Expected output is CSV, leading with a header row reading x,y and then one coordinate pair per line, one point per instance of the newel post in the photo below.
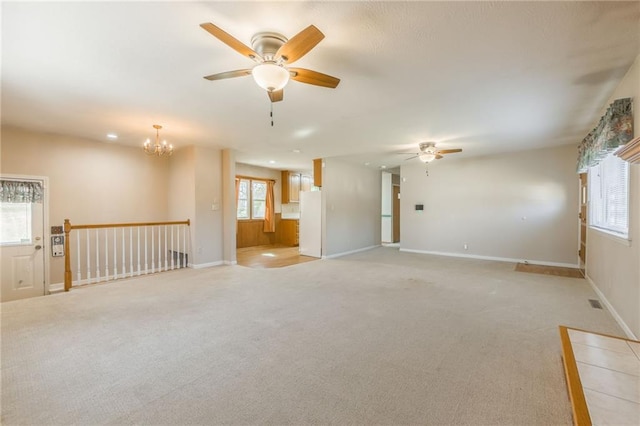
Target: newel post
x,y
67,256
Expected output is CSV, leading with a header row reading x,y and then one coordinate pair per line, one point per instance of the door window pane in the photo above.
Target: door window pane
x,y
15,223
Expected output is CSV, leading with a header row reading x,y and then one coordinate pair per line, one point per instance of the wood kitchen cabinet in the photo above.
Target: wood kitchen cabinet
x,y
317,172
290,187
290,232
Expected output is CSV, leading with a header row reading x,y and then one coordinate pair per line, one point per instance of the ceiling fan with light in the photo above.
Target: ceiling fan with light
x,y
274,53
429,152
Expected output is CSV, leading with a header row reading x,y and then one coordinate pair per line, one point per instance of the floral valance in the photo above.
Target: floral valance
x,y
14,191
614,129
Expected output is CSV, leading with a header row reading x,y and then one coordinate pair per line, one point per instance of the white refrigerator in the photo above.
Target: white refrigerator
x,y
310,237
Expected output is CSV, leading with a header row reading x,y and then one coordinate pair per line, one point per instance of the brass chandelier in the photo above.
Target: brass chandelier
x,y
158,149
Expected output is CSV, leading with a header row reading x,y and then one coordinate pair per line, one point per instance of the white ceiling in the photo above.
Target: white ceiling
x,y
483,76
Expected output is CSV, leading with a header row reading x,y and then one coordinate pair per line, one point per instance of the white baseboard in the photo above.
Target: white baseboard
x,y
498,259
345,253
611,310
230,262
56,288
206,265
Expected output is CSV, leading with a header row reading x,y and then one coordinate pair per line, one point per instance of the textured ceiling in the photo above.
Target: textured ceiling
x,y
483,76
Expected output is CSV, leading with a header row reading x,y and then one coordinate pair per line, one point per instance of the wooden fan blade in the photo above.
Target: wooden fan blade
x,y
448,151
228,74
231,41
276,96
438,156
299,45
313,77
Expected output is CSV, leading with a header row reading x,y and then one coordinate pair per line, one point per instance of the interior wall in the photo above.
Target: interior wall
x,y
89,182
520,205
181,190
612,265
208,231
351,200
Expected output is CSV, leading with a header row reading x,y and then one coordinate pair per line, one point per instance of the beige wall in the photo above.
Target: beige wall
x,y
520,206
208,231
89,182
195,189
613,265
351,202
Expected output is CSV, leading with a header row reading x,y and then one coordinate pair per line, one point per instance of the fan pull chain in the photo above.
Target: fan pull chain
x,y
271,114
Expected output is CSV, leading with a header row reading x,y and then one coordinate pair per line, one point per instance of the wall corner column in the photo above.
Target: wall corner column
x,y
229,206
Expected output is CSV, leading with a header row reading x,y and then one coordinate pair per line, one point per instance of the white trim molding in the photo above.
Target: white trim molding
x,y
345,253
498,259
611,310
206,265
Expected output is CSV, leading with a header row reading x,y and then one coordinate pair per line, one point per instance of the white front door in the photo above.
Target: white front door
x,y
22,250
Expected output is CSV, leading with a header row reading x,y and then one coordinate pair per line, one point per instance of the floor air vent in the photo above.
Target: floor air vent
x,y
595,304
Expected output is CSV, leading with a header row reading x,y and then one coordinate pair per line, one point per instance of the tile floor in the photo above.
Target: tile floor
x,y
609,370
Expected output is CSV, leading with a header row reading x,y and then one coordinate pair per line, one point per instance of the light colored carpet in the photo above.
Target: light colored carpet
x,y
379,337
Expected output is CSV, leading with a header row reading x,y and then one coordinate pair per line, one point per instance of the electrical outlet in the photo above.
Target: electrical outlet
x,y
466,246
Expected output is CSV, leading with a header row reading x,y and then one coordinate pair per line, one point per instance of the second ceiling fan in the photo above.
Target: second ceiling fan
x,y
429,152
273,53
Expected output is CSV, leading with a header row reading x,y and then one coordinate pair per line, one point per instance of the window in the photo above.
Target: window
x,y
15,223
609,196
252,199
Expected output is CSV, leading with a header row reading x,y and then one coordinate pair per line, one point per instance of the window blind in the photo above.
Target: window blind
x,y
609,196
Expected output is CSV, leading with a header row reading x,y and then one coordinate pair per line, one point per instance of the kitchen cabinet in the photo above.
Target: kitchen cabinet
x,y
290,187
317,172
290,232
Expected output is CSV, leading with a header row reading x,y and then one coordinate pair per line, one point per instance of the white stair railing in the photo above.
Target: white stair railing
x,y
123,254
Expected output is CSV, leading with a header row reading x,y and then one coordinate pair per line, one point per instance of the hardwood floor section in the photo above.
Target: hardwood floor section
x,y
272,256
550,270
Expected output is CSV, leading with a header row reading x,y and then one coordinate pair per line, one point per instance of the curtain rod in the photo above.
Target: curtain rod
x,y
254,178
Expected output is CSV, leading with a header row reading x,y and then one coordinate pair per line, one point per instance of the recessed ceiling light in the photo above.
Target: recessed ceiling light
x,y
272,161
112,136
367,163
383,167
297,151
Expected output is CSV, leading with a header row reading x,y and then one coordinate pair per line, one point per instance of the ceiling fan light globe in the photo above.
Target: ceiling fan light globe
x,y
270,77
426,157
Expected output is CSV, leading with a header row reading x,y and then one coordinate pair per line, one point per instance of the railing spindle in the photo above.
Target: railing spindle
x,y
124,262
153,249
138,258
146,262
184,244
166,266
178,248
79,277
106,254
97,256
115,254
173,253
130,252
88,257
